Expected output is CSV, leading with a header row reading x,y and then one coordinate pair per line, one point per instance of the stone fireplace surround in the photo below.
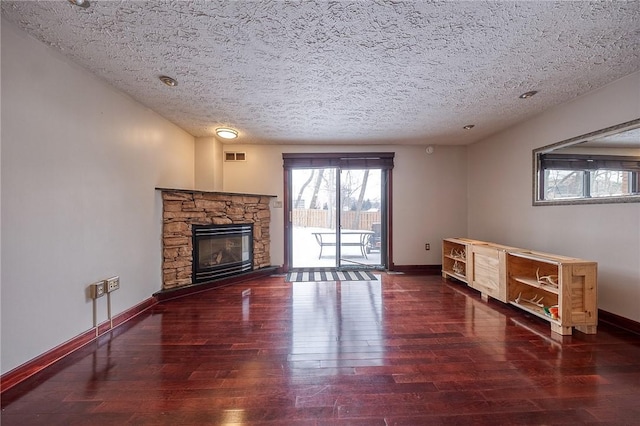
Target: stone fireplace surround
x,y
181,209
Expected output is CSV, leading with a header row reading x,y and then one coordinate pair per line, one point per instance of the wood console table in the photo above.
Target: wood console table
x,y
561,290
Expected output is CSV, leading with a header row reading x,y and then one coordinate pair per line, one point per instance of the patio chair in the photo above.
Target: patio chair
x,y
375,239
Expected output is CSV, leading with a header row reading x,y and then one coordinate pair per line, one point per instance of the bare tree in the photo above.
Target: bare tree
x,y
363,188
302,188
316,189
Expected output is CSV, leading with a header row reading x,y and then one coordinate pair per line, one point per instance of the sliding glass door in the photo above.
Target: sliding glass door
x,y
313,218
360,217
337,217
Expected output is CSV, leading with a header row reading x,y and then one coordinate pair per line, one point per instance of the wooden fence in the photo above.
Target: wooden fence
x,y
312,218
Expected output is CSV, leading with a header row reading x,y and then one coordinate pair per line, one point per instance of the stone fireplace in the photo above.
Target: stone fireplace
x,y
187,213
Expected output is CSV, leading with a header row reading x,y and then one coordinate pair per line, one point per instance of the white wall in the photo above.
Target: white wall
x,y
208,164
500,196
80,162
429,194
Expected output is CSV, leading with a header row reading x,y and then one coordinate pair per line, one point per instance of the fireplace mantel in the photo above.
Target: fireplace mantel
x,y
182,209
198,191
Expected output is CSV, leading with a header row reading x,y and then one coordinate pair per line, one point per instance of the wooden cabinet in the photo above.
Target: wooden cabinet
x,y
454,258
539,282
488,270
559,289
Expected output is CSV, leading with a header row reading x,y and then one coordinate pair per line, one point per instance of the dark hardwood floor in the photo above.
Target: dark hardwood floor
x,y
407,350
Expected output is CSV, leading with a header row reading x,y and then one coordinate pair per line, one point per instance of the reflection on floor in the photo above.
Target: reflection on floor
x,y
405,350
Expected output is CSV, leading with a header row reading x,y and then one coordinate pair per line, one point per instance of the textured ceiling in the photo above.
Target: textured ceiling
x,y
344,71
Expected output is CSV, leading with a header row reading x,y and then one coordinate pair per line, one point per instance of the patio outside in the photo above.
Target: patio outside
x,y
319,196
307,250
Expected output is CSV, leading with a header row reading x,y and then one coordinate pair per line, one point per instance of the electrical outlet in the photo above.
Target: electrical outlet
x,y
97,289
113,284
427,246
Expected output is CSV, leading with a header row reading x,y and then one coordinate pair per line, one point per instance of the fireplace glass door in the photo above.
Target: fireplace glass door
x,y
220,251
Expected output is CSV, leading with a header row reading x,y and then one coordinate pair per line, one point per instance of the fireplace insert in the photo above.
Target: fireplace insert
x,y
221,251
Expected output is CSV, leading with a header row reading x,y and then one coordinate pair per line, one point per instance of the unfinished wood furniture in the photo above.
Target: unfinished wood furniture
x,y
562,290
489,270
454,258
480,264
537,282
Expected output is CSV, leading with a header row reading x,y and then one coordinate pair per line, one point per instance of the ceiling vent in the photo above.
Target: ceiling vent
x,y
235,156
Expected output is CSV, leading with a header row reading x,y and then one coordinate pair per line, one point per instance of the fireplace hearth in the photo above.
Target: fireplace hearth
x,y
220,251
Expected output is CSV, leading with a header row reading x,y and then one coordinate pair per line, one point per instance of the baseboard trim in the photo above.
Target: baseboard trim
x,y
39,363
618,321
417,269
173,293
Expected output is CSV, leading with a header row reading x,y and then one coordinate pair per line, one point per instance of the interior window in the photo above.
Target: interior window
x,y
609,183
563,184
567,184
597,167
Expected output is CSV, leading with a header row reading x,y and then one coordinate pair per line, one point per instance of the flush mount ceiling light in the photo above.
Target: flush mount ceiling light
x,y
226,133
469,126
527,95
81,3
171,82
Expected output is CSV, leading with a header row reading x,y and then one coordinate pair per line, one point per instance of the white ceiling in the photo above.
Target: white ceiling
x,y
344,71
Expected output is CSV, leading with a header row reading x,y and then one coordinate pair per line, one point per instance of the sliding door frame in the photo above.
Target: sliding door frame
x,y
340,160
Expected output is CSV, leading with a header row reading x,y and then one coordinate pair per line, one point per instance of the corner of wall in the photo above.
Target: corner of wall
x,y
208,164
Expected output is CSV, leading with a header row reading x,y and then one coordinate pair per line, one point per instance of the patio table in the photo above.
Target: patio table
x,y
359,238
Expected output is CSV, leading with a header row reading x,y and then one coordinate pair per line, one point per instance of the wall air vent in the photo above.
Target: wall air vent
x,y
235,156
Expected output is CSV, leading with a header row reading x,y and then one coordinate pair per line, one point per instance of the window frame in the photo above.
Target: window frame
x,y
548,158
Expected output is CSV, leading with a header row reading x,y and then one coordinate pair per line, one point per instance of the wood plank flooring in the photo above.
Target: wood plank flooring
x,y
405,350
